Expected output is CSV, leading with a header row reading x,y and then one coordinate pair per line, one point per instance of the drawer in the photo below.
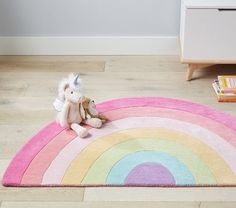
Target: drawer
x,y
209,35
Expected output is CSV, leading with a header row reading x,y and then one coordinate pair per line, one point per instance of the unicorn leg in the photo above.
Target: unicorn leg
x,y
81,131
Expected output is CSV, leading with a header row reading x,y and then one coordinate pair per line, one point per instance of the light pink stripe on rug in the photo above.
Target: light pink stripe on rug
x,y
223,131
161,102
20,162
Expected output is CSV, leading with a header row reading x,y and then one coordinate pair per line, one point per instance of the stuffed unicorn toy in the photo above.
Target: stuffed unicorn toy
x,y
69,106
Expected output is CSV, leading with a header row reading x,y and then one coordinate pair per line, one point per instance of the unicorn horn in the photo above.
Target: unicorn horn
x,y
76,80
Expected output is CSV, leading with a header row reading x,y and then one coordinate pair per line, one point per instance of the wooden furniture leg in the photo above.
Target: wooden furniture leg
x,y
190,71
193,67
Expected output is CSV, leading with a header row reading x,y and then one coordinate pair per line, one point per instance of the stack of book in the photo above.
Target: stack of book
x,y
225,88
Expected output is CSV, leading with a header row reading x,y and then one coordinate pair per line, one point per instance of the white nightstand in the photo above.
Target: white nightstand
x,y
207,33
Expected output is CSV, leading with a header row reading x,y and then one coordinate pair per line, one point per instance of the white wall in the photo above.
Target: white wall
x,y
155,19
89,17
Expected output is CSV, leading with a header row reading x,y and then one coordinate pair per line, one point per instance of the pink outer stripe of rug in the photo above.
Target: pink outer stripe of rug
x,y
42,161
13,174
161,102
60,164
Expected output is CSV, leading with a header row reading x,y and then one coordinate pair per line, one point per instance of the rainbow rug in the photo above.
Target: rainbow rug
x,y
147,142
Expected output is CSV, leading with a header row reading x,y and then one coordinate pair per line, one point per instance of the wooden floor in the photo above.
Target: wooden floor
x,y
28,86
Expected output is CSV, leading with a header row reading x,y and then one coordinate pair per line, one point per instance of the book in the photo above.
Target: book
x,y
227,84
222,96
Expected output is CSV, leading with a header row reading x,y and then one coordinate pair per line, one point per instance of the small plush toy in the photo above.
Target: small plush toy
x,y
69,106
90,110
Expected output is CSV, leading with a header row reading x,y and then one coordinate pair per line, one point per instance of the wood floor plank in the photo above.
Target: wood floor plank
x,y
41,194
118,84
218,205
47,63
3,166
160,194
99,204
145,64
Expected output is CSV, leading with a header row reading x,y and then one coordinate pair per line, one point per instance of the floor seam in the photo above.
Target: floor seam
x,y
83,195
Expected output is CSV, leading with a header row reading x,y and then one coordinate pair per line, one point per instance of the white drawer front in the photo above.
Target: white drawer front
x,y
210,35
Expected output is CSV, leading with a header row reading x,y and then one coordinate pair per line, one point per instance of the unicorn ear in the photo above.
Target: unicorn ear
x,y
66,86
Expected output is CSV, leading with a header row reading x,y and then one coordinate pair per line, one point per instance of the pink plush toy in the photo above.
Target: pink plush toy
x,y
70,108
